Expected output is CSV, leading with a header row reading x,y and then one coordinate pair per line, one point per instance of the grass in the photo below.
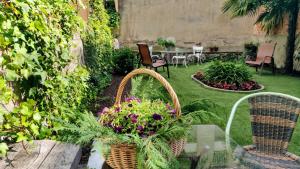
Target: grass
x,y
188,91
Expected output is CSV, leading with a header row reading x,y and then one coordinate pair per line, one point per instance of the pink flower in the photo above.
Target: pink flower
x,y
104,111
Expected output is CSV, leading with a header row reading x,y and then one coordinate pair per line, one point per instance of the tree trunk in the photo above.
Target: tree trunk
x,y
292,28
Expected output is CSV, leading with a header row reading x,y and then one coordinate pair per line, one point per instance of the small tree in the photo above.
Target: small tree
x,y
271,18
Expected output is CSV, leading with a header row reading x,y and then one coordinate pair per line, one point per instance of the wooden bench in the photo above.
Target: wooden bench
x,y
44,154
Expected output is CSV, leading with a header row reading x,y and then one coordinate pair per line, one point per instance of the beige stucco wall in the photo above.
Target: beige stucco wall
x,y
185,20
193,21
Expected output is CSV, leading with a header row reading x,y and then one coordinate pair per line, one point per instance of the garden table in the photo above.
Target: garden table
x,y
178,53
206,148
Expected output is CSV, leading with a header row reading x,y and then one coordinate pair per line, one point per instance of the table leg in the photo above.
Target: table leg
x,y
194,162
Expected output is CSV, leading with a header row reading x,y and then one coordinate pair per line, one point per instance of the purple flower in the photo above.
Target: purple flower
x,y
117,109
157,116
169,107
132,98
133,118
140,129
151,133
104,110
118,129
173,112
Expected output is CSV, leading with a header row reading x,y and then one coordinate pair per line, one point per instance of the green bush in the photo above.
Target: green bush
x,y
251,50
167,43
98,46
227,72
124,60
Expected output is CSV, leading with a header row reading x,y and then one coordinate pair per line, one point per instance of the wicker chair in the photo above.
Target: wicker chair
x,y
273,119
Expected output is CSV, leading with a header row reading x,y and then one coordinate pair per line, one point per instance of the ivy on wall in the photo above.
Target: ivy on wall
x,y
98,46
35,41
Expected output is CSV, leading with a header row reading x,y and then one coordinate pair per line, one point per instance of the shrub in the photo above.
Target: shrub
x,y
123,61
167,43
98,45
227,72
251,50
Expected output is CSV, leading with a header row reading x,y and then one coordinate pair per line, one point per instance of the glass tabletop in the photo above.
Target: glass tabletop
x,y
206,148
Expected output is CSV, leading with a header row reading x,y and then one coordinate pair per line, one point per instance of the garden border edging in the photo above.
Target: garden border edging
x,y
223,90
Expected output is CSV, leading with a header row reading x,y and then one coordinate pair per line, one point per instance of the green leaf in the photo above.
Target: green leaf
x,y
21,137
25,73
3,149
35,129
37,117
11,75
6,24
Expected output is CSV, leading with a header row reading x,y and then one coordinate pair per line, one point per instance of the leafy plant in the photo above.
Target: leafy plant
x,y
135,116
166,43
124,60
251,50
146,87
98,46
229,72
153,149
35,38
206,111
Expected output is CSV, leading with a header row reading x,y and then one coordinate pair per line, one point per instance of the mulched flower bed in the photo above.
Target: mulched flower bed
x,y
245,86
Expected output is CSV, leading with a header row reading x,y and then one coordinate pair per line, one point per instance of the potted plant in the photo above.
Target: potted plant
x,y
136,133
250,51
168,44
213,49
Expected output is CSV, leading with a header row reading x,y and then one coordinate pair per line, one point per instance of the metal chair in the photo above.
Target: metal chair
x,y
264,57
198,53
154,57
147,61
273,119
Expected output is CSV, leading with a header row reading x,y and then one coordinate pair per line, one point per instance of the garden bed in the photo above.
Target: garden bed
x,y
227,90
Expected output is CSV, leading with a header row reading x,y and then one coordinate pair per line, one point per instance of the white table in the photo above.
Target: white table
x,y
177,54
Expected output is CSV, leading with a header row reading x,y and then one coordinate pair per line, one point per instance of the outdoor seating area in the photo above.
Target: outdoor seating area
x,y
93,84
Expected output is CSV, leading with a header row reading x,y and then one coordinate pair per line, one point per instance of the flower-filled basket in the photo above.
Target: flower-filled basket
x,y
141,121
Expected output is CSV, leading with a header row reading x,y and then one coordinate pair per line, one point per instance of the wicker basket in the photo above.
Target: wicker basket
x,y
123,156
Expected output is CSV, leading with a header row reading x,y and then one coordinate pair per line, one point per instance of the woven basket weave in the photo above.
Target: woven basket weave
x,y
124,156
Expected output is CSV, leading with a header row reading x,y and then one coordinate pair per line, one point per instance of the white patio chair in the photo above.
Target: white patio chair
x,y
179,56
198,53
273,120
154,57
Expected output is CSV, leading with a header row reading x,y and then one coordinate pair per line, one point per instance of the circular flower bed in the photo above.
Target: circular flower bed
x,y
228,76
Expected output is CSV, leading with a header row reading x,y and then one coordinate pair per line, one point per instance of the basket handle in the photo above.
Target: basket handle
x,y
157,76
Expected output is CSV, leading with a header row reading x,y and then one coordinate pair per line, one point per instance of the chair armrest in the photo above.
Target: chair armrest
x,y
293,156
249,147
266,58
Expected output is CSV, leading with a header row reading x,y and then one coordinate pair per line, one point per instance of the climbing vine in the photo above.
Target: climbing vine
x,y
98,47
35,41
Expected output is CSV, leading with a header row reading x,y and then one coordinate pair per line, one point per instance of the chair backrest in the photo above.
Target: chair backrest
x,y
145,54
273,119
197,50
265,49
151,50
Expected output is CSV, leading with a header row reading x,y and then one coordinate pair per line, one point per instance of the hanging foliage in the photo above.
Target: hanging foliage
x,y
35,41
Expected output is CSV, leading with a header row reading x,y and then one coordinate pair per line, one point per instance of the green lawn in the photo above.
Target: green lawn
x,y
188,91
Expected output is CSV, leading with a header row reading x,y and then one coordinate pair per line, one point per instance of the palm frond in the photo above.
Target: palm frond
x,y
238,8
271,18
